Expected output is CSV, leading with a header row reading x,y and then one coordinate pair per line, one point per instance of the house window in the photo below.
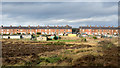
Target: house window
x,y
11,29
49,29
89,29
7,29
2,29
116,30
40,30
45,32
36,30
68,29
7,32
98,30
17,30
83,29
21,30
45,29
102,30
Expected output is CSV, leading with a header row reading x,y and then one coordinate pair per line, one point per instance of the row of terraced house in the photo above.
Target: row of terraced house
x,y
35,29
90,30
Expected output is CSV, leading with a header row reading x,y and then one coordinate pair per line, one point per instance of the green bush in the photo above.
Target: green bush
x,y
23,33
6,34
56,43
14,34
83,40
38,33
94,37
106,44
52,59
18,33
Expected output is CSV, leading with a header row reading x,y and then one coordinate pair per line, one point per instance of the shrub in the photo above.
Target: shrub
x,y
83,40
56,43
14,34
39,33
6,34
18,33
52,59
94,37
106,44
23,33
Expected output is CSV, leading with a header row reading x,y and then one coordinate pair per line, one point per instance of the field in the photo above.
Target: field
x,y
75,53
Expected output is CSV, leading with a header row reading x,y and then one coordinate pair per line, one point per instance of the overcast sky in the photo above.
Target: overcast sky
x,y
60,13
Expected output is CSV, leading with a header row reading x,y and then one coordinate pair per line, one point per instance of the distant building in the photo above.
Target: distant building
x,y
94,30
38,29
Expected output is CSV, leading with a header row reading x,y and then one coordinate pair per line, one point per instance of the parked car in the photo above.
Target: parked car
x,y
98,36
84,35
60,34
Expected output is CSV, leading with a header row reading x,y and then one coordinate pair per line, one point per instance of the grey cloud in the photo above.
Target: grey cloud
x,y
43,12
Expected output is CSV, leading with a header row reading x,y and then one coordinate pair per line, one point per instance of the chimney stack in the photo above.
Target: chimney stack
x,y
28,26
38,26
81,26
57,26
95,25
10,25
48,26
19,26
108,26
103,26
1,25
67,26
87,25
90,26
112,26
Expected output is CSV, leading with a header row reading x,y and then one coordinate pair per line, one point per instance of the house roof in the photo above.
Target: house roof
x,y
85,27
40,27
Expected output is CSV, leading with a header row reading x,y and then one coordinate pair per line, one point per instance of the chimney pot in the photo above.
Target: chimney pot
x,y
1,25
38,26
87,25
29,26
10,25
57,26
19,26
48,26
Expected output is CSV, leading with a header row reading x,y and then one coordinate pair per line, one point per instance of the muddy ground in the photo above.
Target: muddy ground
x,y
32,53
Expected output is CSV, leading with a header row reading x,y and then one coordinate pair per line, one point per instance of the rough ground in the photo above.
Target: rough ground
x,y
76,54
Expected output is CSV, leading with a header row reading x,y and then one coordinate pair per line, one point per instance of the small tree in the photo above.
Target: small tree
x,y
38,33
94,37
18,33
